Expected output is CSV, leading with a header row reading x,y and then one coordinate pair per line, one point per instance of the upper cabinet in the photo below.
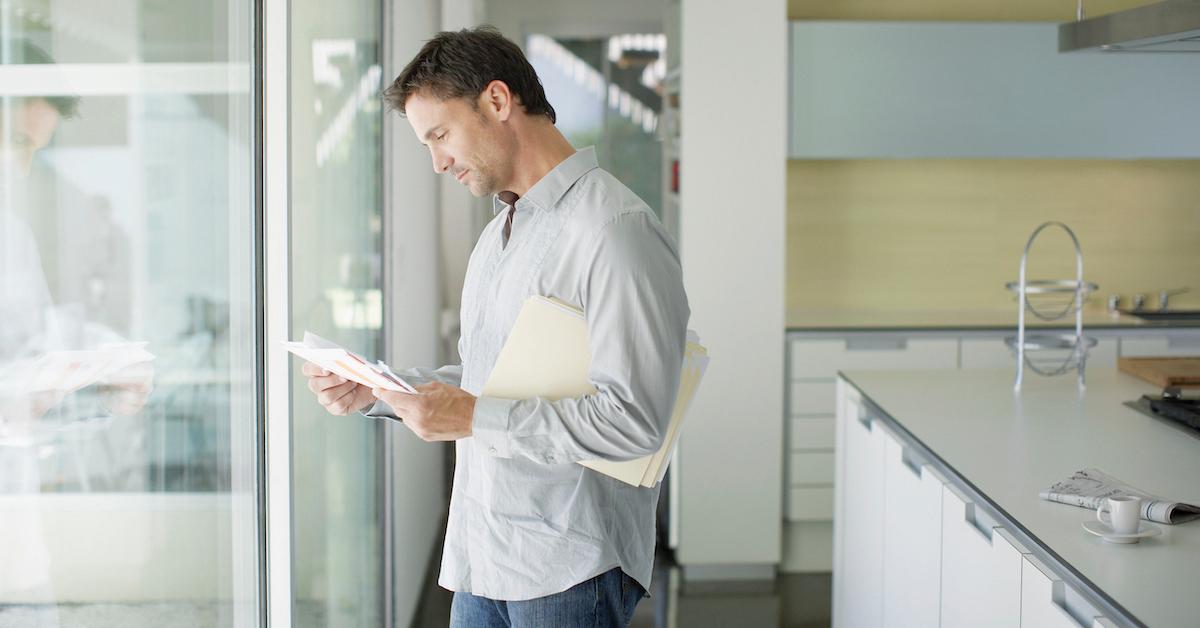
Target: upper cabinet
x,y
862,90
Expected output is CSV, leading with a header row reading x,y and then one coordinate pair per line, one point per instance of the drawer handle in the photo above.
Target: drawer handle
x,y
865,418
979,521
1183,342
911,462
876,344
1058,597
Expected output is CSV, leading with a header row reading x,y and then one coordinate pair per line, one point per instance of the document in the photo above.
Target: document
x,y
337,359
547,355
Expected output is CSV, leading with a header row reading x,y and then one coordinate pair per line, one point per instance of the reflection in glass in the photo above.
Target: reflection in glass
x,y
336,270
607,92
127,425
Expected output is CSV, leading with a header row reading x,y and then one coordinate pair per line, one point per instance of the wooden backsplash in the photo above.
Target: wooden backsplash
x,y
902,235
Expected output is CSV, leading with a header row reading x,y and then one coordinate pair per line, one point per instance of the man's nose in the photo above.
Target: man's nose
x,y
441,163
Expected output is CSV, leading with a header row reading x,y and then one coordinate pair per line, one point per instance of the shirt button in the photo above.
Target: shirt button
x,y
492,449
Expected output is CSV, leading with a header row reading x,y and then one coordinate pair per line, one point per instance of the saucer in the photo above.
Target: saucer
x,y
1106,533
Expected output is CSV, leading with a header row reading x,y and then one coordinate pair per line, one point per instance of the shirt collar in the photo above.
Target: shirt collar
x,y
549,190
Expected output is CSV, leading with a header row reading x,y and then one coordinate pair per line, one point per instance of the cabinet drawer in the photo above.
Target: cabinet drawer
x,y
981,567
810,503
812,433
912,538
824,358
985,353
811,467
1152,346
1048,602
812,398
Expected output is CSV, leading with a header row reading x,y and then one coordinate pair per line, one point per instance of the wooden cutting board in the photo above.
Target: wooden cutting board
x,y
1163,372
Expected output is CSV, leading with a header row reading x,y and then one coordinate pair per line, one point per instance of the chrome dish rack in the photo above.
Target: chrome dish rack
x,y
1049,300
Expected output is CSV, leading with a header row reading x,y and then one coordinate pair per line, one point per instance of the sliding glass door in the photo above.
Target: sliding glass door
x,y
129,413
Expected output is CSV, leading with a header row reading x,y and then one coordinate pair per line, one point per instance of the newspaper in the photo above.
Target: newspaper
x,y
1090,487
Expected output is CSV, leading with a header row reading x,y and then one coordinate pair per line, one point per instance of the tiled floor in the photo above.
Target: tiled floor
x,y
790,601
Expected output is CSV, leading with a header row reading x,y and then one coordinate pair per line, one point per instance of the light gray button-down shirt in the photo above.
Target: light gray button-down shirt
x,y
525,520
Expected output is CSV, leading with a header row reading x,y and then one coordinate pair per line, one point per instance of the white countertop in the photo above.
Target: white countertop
x,y
1009,448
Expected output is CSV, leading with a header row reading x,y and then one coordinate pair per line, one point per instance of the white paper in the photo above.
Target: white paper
x,y
347,364
68,371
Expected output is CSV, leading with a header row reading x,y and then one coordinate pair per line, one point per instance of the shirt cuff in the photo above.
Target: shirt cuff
x,y
489,425
380,410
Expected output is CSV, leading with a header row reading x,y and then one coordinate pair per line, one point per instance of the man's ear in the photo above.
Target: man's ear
x,y
497,100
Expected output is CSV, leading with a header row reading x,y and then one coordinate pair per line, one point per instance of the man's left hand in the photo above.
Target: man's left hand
x,y
438,412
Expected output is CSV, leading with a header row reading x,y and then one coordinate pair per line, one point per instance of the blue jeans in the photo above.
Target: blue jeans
x,y
604,601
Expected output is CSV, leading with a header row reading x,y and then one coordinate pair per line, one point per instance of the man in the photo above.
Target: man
x,y
534,539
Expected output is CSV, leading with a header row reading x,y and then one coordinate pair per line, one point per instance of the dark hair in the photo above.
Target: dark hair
x,y
461,64
23,52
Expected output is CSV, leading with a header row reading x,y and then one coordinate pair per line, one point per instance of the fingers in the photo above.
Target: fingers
x,y
320,384
312,370
330,397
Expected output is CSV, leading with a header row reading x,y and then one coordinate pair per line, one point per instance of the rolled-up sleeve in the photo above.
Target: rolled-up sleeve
x,y
637,313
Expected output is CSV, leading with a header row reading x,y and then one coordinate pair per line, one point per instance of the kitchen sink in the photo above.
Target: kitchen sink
x,y
1164,315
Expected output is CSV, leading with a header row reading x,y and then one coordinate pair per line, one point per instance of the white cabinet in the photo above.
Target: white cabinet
x,y
1178,344
809,398
981,567
863,90
811,467
820,358
986,353
858,531
1048,602
912,540
813,363
812,433
810,503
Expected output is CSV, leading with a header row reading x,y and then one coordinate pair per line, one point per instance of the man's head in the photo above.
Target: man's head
x,y
469,96
27,123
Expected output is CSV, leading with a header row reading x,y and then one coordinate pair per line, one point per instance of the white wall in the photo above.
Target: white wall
x,y
732,233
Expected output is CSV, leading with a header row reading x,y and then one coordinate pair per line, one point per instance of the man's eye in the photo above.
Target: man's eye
x,y
442,136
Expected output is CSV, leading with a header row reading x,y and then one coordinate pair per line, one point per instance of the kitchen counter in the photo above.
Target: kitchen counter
x,y
808,319
1010,447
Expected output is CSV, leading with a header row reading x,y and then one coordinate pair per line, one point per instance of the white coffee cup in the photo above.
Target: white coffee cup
x,y
1125,513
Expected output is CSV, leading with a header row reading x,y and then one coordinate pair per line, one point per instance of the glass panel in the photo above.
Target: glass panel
x,y
336,191
607,93
127,413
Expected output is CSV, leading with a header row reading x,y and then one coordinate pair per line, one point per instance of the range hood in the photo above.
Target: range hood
x,y
1168,26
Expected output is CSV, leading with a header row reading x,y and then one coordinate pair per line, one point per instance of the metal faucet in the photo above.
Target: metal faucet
x,y
1165,295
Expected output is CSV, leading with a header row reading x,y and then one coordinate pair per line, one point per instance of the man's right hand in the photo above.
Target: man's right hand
x,y
339,395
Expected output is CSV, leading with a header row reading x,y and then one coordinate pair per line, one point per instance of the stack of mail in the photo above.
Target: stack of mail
x,y
335,359
547,355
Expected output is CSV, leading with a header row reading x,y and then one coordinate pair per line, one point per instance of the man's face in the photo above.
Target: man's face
x,y
464,141
26,130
